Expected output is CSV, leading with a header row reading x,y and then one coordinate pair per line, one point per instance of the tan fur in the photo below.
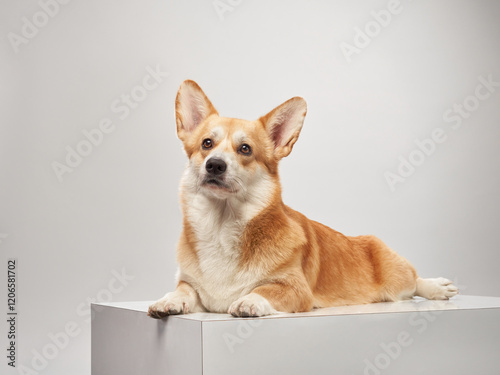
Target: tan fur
x,y
298,264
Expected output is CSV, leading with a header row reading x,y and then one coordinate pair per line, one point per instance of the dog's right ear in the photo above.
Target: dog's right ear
x,y
191,108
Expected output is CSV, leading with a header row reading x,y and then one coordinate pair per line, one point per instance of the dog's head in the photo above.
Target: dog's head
x,y
233,157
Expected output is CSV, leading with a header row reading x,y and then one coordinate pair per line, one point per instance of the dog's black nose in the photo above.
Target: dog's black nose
x,y
216,166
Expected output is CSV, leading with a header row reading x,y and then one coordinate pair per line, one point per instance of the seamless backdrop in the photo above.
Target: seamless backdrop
x,y
401,140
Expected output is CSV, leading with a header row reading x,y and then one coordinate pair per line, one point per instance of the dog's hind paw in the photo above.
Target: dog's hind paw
x,y
438,288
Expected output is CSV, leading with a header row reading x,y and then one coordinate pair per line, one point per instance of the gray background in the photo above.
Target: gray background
x,y
118,210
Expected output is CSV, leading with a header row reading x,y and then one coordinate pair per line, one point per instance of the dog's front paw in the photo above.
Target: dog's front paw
x,y
252,304
173,303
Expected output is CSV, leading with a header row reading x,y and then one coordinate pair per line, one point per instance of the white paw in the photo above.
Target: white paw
x,y
171,304
438,288
252,304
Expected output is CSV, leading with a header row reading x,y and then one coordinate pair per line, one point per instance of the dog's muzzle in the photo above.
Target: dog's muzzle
x,y
216,172
215,167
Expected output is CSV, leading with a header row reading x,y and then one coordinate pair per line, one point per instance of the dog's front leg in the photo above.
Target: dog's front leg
x,y
185,299
271,298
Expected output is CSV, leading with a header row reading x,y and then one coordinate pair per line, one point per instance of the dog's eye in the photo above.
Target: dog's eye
x,y
207,143
245,149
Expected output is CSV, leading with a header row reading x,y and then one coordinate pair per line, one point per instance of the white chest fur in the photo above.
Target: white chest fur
x,y
218,226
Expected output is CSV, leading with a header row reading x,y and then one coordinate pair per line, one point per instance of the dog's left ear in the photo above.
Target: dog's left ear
x,y
283,124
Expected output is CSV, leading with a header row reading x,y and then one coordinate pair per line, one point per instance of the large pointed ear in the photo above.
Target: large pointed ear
x,y
191,108
283,124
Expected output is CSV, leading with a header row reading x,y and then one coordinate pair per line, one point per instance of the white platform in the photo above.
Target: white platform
x,y
460,336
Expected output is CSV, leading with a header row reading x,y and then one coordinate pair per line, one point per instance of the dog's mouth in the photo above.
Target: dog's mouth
x,y
216,183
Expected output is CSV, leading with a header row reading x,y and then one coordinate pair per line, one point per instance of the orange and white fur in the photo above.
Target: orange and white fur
x,y
243,251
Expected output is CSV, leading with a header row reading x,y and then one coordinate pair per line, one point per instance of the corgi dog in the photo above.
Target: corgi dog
x,y
242,251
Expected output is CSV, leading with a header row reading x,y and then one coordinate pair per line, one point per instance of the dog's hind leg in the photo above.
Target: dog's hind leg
x,y
438,288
